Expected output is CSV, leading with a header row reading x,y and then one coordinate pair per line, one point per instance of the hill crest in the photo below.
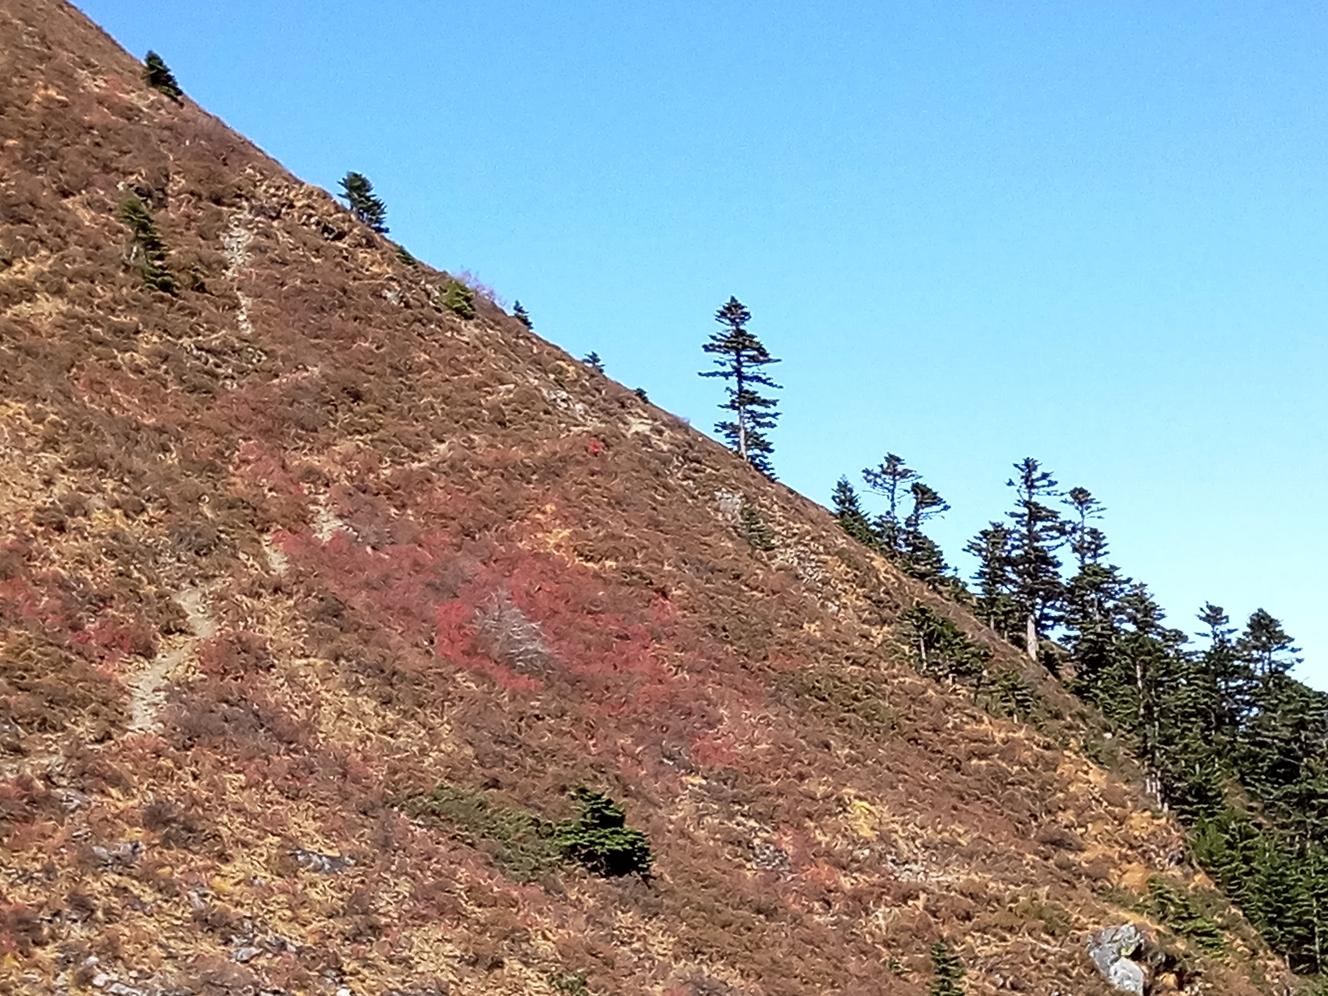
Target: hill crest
x,y
285,552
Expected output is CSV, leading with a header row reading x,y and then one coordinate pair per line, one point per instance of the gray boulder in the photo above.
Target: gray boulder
x,y
1115,951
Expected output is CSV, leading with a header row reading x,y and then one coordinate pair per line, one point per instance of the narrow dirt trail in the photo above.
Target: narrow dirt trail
x,y
147,689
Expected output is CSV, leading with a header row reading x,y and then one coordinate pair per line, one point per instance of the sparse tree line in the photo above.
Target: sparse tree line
x,y
1231,742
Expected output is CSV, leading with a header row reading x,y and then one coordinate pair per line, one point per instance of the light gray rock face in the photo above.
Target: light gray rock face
x,y
1113,951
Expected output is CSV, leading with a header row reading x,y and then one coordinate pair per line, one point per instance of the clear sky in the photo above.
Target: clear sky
x,y
1094,233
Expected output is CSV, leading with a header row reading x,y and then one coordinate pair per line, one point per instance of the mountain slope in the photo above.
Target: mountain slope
x,y
284,552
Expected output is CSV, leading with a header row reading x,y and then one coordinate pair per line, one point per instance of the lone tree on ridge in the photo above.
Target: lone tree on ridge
x,y
364,204
740,357
159,76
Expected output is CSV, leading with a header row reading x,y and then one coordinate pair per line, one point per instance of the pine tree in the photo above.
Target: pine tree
x,y
158,76
364,204
848,511
149,251
994,579
890,478
1266,647
1034,566
1231,677
1091,604
920,555
947,971
523,316
460,299
741,357
593,361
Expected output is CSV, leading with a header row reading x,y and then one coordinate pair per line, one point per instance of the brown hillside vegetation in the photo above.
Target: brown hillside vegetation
x,y
318,602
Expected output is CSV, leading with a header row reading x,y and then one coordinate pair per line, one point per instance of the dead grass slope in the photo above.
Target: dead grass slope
x,y
284,549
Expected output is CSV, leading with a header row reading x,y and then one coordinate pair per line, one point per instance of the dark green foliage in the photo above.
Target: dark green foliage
x,y
919,554
940,648
1006,693
149,252
891,479
640,392
593,361
1038,531
406,256
364,204
520,843
849,514
996,605
754,530
460,299
158,76
523,316
600,839
1182,911
740,359
898,534
569,983
526,846
947,971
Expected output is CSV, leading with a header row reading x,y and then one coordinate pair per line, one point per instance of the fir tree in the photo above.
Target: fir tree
x,y
947,971
158,76
149,252
460,299
920,555
593,361
994,579
848,511
740,359
364,204
891,478
523,316
1266,647
1034,567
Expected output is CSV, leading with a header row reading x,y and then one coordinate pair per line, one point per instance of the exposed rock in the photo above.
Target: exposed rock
x,y
1115,951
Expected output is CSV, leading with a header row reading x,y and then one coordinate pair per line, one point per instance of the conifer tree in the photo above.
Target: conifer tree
x,y
996,606
848,511
1091,603
523,316
460,299
890,478
740,359
1034,567
593,361
149,251
364,204
920,555
947,971
158,76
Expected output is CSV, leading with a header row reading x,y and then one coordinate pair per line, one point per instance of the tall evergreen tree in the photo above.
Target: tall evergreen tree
x,y
920,555
159,76
848,511
741,357
364,204
994,579
522,315
890,478
1038,533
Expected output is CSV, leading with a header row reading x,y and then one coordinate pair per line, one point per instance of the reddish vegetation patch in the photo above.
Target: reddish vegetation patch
x,y
360,547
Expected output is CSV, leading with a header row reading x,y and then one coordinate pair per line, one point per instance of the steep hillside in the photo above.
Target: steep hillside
x,y
317,598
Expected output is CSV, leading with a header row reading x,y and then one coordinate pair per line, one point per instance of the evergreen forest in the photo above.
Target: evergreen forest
x,y
1230,741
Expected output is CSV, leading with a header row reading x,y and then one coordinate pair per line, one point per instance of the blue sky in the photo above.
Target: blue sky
x,y
1095,233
